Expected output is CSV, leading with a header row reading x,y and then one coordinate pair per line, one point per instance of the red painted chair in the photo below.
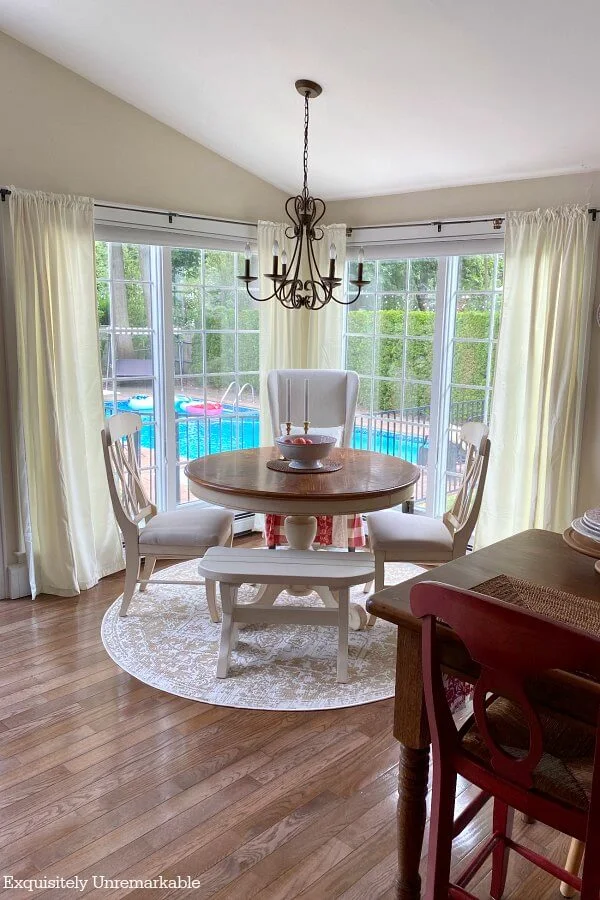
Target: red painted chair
x,y
522,757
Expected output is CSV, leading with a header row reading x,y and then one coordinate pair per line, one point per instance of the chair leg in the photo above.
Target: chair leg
x,y
211,600
440,832
343,596
227,627
132,574
503,817
149,563
379,571
572,865
368,587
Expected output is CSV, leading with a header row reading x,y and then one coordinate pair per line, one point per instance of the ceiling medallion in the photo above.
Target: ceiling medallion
x,y
305,213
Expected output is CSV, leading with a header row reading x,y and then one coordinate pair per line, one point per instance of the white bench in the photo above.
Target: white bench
x,y
336,571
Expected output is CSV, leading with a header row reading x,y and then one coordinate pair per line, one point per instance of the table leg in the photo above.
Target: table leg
x,y
412,786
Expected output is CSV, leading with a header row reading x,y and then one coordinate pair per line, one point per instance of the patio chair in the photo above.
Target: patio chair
x,y
184,533
404,537
524,756
333,398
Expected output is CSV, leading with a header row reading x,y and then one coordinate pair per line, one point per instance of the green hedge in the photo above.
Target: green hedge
x,y
470,359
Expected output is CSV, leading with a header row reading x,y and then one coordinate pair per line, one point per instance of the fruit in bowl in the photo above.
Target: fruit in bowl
x,y
305,452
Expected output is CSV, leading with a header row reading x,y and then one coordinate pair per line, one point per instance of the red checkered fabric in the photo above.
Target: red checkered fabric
x,y
275,535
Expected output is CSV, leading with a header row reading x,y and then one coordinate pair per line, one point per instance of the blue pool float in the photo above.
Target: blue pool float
x,y
141,403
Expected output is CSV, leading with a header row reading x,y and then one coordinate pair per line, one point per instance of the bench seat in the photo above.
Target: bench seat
x,y
337,571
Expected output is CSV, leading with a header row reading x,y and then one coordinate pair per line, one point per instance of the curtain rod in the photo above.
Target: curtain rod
x,y
5,192
496,220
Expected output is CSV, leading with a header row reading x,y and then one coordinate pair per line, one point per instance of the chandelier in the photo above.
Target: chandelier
x,y
305,212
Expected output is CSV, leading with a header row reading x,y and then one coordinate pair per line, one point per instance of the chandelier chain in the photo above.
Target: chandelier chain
x,y
306,97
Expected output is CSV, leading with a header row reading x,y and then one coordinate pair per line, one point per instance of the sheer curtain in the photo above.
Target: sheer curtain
x,y
296,338
537,410
71,536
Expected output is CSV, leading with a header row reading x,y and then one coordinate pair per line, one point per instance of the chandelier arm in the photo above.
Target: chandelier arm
x,y
315,227
296,257
312,283
287,287
293,203
260,299
348,302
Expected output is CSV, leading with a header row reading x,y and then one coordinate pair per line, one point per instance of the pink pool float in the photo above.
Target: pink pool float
x,y
204,409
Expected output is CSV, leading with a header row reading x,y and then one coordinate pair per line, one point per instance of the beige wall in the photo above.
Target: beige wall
x,y
61,133
473,200
486,199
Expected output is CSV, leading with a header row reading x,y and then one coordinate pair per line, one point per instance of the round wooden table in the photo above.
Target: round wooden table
x,y
240,480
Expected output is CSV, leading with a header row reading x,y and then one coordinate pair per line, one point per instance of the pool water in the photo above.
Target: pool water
x,y
238,429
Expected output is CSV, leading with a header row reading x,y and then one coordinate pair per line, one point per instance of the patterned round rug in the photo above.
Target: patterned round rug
x,y
168,641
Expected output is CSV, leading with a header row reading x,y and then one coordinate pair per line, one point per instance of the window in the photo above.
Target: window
x,y
423,341
179,344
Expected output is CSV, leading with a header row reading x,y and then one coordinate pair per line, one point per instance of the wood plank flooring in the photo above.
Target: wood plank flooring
x,y
102,775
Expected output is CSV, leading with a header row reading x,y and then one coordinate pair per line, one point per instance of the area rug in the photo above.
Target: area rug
x,y
168,641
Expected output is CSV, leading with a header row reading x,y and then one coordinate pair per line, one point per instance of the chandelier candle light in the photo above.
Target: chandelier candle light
x,y
290,288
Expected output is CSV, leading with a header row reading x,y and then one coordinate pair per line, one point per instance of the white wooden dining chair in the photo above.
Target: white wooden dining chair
x,y
184,533
395,536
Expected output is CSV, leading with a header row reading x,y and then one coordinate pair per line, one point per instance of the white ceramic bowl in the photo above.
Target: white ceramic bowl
x,y
306,456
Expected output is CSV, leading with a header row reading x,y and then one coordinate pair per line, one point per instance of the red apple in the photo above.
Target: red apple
x,y
307,441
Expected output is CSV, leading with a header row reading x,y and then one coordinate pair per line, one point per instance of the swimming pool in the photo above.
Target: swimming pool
x,y
238,429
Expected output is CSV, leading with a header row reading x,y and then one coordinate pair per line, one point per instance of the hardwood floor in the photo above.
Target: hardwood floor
x,y
102,775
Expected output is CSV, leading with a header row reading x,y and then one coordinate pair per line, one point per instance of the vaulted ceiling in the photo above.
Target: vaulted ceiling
x,y
417,93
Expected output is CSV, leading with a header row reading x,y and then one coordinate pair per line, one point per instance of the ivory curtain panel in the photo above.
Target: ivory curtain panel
x,y
296,338
71,537
537,410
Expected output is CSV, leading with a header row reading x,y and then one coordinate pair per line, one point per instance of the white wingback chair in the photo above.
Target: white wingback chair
x,y
401,537
333,394
184,533
332,408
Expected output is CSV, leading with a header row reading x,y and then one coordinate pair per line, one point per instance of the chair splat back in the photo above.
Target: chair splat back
x,y
511,647
462,517
131,503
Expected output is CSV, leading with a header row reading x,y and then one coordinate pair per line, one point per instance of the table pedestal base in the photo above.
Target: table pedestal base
x,y
300,531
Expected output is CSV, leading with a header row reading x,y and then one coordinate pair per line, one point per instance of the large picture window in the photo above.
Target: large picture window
x,y
179,345
422,338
